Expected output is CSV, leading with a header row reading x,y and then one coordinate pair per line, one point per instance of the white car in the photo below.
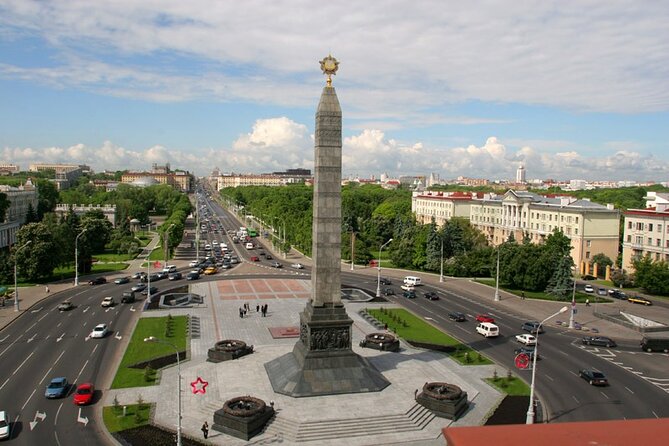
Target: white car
x,y
99,331
526,339
297,266
408,287
4,425
194,263
107,302
588,289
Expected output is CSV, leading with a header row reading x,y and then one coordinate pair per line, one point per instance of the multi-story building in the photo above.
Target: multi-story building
x,y
66,174
238,180
7,168
109,210
179,179
21,199
646,231
591,227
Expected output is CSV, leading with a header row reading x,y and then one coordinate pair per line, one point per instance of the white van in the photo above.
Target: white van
x,y
170,269
487,329
249,245
412,280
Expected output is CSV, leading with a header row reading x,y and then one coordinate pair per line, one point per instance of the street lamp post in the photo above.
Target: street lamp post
x,y
76,257
530,409
176,350
573,306
165,241
378,270
16,288
497,298
441,263
352,250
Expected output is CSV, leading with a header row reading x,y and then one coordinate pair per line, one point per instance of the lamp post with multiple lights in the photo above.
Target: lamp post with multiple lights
x,y
16,288
378,270
76,257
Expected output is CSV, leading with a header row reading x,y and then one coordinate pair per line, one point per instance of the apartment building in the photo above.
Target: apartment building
x,y
65,174
21,199
180,180
238,180
591,227
646,231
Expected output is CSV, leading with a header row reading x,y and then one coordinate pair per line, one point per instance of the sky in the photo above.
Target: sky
x,y
570,89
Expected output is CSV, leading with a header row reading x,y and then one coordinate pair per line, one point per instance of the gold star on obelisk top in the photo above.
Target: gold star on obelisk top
x,y
329,66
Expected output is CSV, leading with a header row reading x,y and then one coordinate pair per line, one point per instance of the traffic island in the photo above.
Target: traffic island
x,y
243,417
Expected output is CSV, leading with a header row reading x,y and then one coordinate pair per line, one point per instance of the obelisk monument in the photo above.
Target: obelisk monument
x,y
322,361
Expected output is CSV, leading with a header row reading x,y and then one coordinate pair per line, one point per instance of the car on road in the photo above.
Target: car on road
x,y
99,331
84,394
407,287
97,281
276,265
388,292
601,341
409,294
639,300
65,306
268,257
57,388
151,278
210,270
532,327
617,294
194,263
297,266
594,377
128,297
457,316
602,292
529,351
4,425
254,259
174,276
193,275
122,280
431,295
146,291
385,281
138,275
485,318
588,288
526,339
139,287
107,302
161,275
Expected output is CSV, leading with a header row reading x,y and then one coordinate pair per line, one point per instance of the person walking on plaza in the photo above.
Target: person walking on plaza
x,y
257,308
587,302
205,430
47,289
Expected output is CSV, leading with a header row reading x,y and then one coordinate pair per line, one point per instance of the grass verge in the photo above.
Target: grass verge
x,y
410,327
511,385
139,351
541,295
135,415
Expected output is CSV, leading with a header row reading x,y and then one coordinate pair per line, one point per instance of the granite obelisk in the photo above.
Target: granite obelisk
x,y
322,361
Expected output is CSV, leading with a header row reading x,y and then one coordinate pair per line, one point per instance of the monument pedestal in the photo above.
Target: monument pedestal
x,y
322,361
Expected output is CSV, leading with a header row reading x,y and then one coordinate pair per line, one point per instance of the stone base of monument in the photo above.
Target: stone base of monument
x,y
322,361
228,349
242,417
381,341
443,399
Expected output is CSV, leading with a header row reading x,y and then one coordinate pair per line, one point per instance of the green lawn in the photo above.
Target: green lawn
x,y
412,328
68,272
114,257
540,295
510,385
139,351
115,421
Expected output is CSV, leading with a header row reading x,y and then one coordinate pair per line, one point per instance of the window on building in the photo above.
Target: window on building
x,y
659,228
658,242
629,224
639,226
575,231
650,241
587,254
588,243
650,227
638,240
629,239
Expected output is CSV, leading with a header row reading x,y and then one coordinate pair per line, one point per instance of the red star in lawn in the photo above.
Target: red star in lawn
x,y
199,386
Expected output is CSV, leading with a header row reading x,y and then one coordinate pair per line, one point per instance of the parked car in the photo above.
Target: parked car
x,y
297,266
602,341
529,351
277,265
99,331
457,316
602,291
588,288
107,302
97,281
617,294
57,388
431,295
84,394
268,257
526,339
639,300
193,275
594,377
485,318
409,294
122,280
254,259
532,327
388,292
384,281
65,306
4,425
174,276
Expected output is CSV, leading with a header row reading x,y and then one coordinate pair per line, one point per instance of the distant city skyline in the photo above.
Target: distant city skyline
x,y
572,90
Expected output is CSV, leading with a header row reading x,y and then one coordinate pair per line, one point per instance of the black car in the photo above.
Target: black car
x,y
138,275
617,294
277,265
602,341
457,316
594,377
268,257
97,281
151,278
153,290
529,351
532,327
431,295
384,281
122,280
174,276
193,275
409,294
162,274
388,292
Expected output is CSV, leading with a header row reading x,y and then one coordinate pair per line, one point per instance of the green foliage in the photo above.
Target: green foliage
x,y
602,261
561,283
4,205
651,276
37,259
621,278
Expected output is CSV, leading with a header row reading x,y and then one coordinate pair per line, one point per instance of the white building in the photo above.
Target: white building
x,y
646,231
520,174
21,199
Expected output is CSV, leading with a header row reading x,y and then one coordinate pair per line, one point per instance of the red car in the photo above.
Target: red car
x,y
255,259
84,394
485,318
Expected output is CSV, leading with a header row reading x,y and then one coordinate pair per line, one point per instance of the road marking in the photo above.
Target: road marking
x,y
576,399
573,373
118,335
548,376
36,310
26,403
94,348
81,419
4,339
59,324
654,414
31,339
605,395
60,338
39,415
40,319
29,328
55,420
629,390
81,371
86,309
51,368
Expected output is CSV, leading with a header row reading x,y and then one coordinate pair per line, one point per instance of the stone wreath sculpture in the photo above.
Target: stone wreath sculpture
x,y
442,391
244,406
230,345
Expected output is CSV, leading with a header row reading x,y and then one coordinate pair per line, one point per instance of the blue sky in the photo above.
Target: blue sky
x,y
572,89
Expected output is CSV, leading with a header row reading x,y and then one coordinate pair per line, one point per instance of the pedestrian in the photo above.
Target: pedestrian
x,y
47,289
587,302
241,312
522,295
205,430
257,308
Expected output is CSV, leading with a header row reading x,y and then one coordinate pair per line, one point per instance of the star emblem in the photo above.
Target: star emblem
x,y
199,386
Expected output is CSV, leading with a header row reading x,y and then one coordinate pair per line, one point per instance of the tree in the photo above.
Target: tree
x,y
4,205
561,283
47,197
31,214
602,261
37,260
651,276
